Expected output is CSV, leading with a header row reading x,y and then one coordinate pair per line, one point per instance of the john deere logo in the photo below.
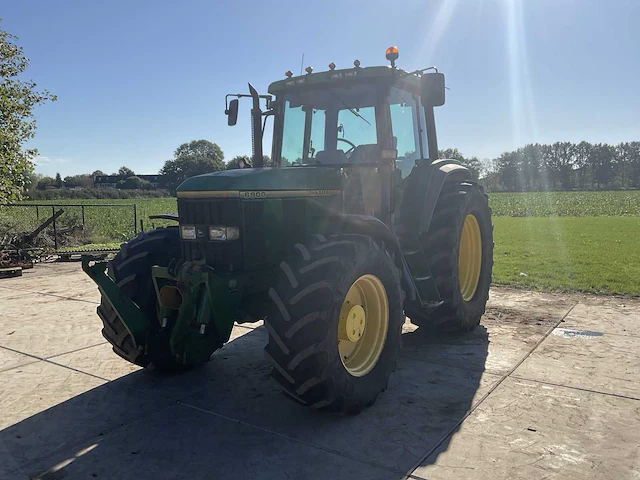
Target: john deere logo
x,y
319,193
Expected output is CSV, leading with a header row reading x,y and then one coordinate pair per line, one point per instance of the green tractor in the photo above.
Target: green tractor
x,y
356,225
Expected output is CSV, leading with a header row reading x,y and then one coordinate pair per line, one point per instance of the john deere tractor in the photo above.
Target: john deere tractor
x,y
356,225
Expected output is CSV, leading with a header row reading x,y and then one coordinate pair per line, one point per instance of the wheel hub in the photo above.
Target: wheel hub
x,y
470,257
352,322
363,325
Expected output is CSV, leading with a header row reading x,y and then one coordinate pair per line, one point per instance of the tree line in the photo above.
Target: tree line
x,y
534,167
85,180
40,187
189,159
564,166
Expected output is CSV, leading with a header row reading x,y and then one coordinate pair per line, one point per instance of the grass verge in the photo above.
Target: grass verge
x,y
593,254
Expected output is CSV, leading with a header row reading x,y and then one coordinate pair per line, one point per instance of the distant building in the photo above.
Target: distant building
x,y
111,181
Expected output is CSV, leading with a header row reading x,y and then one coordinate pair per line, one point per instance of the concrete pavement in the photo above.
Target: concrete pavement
x,y
548,387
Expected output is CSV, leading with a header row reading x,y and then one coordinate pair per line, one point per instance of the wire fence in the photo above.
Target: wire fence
x,y
69,227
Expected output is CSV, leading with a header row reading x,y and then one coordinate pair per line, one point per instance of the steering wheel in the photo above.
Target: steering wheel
x,y
353,145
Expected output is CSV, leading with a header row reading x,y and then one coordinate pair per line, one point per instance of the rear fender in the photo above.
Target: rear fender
x,y
442,171
421,190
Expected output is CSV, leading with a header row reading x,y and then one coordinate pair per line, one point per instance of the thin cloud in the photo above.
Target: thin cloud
x,y
42,160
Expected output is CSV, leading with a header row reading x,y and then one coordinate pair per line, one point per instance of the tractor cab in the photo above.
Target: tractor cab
x,y
358,116
372,123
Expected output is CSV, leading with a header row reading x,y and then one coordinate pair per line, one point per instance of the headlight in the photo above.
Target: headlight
x,y
218,233
224,234
188,232
233,233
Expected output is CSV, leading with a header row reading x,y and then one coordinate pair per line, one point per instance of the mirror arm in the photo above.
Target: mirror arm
x,y
267,97
266,115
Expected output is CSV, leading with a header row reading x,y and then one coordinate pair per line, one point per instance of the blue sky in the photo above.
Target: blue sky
x,y
137,78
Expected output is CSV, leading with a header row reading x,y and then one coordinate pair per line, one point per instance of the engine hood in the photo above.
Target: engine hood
x,y
263,182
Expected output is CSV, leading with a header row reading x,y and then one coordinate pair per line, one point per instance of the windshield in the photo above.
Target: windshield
x,y
328,125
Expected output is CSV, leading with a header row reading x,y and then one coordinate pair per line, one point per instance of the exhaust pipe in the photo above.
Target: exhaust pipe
x,y
256,129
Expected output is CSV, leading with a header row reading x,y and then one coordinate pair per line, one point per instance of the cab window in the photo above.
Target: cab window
x,y
403,108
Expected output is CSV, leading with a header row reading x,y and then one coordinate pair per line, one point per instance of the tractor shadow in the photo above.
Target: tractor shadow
x,y
229,419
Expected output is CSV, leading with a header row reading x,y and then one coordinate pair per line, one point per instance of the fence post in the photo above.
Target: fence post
x,y
141,225
82,208
55,230
37,213
135,220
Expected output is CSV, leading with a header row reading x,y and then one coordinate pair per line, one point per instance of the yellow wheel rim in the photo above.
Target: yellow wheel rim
x,y
363,325
470,257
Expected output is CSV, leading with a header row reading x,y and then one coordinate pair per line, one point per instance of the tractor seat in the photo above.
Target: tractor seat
x,y
367,153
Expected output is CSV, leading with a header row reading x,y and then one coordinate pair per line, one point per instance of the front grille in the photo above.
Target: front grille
x,y
223,256
294,214
272,227
254,233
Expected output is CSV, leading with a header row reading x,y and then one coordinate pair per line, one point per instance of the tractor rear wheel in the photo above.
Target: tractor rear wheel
x,y
335,326
459,250
130,269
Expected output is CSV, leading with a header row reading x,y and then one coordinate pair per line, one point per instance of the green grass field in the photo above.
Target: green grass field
x,y
571,204
594,254
584,241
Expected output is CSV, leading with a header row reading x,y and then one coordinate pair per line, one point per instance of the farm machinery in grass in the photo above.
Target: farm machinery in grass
x,y
18,249
357,225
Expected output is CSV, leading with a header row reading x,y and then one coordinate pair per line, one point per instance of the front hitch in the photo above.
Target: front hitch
x,y
197,309
206,313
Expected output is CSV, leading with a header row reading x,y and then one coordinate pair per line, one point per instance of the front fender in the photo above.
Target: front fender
x,y
378,230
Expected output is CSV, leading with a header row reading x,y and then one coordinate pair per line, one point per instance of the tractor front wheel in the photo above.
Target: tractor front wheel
x,y
130,269
335,326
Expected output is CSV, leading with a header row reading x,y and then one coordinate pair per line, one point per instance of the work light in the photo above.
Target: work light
x,y
224,234
188,232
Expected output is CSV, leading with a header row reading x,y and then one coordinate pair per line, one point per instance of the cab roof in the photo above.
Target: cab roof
x,y
398,77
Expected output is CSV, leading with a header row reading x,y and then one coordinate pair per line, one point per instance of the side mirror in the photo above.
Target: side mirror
x,y
232,112
432,89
